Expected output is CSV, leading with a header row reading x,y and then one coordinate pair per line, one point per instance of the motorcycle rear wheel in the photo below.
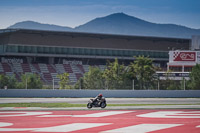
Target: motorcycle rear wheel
x,y
89,105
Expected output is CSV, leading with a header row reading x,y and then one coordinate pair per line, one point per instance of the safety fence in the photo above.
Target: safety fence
x,y
106,93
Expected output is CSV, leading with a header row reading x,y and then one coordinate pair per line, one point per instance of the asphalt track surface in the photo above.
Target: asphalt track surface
x,y
180,118
101,121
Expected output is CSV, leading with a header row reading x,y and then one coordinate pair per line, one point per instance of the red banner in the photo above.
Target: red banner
x,y
184,56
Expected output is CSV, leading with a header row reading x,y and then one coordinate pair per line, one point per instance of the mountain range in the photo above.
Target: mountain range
x,y
118,23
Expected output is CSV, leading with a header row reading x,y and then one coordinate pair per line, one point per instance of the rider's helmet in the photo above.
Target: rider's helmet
x,y
100,95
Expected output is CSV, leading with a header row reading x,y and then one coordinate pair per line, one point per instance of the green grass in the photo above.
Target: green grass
x,y
61,105
49,105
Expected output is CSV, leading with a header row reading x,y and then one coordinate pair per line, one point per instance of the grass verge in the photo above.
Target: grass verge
x,y
49,105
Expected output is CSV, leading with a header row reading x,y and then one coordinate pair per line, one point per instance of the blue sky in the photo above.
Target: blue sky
x,y
73,13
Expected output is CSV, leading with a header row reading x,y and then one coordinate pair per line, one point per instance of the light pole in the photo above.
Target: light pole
x,y
53,84
184,83
158,84
26,83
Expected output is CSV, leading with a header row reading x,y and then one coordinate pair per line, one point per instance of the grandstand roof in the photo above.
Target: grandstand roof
x,y
90,40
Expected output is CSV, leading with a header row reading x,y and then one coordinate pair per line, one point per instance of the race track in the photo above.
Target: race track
x,y
101,121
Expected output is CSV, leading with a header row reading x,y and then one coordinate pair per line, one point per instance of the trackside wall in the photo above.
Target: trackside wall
x,y
106,93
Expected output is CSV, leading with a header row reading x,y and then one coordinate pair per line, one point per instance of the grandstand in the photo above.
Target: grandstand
x,y
48,53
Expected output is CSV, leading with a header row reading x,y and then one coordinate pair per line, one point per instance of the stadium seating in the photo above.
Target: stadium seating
x,y
68,68
78,76
43,68
86,68
55,78
51,68
26,67
81,68
47,77
17,67
60,68
72,77
36,68
47,72
6,67
1,68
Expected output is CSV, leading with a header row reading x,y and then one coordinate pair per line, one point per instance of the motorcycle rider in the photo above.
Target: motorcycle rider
x,y
98,98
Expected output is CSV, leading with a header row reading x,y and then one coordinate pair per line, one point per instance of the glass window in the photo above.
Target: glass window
x,y
166,55
34,49
46,50
92,51
21,49
84,51
98,52
137,53
30,49
105,52
147,53
81,51
68,50
62,50
87,51
156,54
8,49
109,52
40,49
59,50
114,52
14,48
52,50
125,53
121,53
75,51
150,54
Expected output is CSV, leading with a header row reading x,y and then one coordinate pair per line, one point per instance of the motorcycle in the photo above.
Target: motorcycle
x,y
101,103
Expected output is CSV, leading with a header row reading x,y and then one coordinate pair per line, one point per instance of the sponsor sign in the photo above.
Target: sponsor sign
x,y
184,56
11,60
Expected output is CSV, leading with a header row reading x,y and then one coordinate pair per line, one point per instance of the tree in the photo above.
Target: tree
x,y
195,77
64,81
3,80
9,81
92,79
12,82
144,71
116,76
79,84
30,81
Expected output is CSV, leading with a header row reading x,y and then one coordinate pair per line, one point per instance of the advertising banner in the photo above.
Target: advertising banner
x,y
11,60
184,56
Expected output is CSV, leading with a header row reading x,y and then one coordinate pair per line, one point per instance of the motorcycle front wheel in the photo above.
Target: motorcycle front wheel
x,y
103,105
